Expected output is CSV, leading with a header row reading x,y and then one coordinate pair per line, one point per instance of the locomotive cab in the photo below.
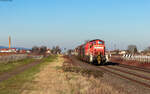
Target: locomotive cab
x,y
98,51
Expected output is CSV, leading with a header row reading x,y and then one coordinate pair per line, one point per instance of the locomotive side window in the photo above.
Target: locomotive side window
x,y
91,45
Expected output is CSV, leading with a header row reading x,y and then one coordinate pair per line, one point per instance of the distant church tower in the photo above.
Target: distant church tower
x,y
9,42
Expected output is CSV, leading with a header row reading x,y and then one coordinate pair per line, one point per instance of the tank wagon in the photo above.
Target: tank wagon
x,y
92,51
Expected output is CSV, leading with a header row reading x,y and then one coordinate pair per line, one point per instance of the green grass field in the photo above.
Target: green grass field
x,y
6,67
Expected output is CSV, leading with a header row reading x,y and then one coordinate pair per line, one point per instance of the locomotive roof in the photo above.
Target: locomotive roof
x,y
95,40
89,41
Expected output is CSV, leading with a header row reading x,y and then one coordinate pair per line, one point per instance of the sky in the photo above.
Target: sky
x,y
68,23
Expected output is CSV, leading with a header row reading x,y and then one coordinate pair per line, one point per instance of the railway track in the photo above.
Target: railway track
x,y
134,77
134,74
134,68
141,83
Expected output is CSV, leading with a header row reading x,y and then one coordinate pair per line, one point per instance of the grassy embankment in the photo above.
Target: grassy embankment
x,y
14,85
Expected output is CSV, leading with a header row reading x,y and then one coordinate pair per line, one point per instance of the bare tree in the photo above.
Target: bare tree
x,y
56,50
70,51
35,49
86,41
147,50
43,49
39,50
132,49
53,50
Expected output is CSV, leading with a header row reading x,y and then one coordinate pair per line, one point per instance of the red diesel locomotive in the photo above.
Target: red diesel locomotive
x,y
92,51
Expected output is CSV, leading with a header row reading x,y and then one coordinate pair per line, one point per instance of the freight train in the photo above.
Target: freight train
x,y
92,51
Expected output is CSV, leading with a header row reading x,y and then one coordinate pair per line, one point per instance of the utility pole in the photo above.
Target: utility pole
x,y
114,46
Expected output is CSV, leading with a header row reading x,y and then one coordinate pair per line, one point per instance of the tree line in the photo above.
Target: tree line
x,y
132,49
43,49
39,50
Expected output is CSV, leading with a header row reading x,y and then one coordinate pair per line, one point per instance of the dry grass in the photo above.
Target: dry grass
x,y
59,79
83,71
85,81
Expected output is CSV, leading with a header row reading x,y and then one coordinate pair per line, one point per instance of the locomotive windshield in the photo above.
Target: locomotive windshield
x,y
100,42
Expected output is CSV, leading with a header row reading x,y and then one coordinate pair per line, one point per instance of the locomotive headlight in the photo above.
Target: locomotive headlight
x,y
99,47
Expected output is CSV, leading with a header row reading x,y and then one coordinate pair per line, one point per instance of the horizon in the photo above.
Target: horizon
x,y
69,23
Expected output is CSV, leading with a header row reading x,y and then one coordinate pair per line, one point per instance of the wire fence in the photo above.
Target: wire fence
x,y
14,57
139,58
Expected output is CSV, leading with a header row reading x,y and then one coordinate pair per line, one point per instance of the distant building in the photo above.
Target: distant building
x,y
8,50
116,52
28,51
112,52
22,51
48,51
122,52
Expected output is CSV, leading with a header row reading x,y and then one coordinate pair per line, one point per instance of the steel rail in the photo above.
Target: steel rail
x,y
140,76
134,68
141,83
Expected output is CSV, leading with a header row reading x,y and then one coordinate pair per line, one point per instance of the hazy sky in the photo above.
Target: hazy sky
x,y
69,22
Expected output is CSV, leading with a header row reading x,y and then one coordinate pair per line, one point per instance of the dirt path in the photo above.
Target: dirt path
x,y
18,70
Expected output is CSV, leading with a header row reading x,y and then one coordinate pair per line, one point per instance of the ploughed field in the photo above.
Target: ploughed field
x,y
131,79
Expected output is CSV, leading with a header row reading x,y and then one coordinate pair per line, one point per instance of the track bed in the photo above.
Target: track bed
x,y
132,80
